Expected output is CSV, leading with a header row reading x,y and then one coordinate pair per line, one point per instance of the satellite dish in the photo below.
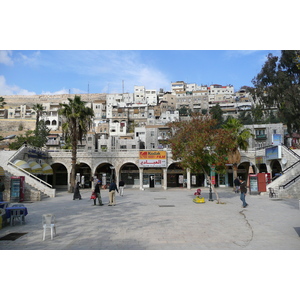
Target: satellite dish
x,y
284,161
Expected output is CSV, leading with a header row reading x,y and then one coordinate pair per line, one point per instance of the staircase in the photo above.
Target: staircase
x,y
31,181
287,185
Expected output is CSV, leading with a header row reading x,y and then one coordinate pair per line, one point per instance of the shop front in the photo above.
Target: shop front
x,y
152,163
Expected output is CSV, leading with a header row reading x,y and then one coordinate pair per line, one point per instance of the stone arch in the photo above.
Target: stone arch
x,y
83,169
60,176
130,174
276,168
174,173
106,173
242,170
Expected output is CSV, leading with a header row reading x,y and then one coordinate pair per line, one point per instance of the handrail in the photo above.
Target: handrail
x,y
17,152
293,152
291,166
31,175
290,182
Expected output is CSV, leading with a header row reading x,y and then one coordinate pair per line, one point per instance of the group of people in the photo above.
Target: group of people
x,y
241,186
97,192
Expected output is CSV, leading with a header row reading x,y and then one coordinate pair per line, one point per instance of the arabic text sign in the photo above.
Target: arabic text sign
x,y
153,159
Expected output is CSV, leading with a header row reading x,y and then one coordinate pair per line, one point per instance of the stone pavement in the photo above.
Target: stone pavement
x,y
156,219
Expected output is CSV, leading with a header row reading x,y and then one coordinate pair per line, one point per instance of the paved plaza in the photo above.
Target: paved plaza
x,y
156,219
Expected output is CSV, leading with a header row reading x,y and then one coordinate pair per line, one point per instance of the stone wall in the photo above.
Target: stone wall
x,y
17,100
13,125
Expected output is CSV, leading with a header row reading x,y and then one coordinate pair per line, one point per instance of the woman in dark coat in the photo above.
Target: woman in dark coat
x,y
77,192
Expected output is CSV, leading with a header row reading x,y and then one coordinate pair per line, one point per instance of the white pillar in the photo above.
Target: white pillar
x,y
188,177
141,179
165,178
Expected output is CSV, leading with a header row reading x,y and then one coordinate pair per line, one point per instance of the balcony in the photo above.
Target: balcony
x,y
261,137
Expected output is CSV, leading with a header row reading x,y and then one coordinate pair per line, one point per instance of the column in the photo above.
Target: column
x,y
165,174
141,179
188,177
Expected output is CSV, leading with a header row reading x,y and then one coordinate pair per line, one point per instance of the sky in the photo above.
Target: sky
x,y
36,72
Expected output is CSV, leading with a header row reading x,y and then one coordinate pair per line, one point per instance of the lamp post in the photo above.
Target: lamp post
x,y
112,172
210,191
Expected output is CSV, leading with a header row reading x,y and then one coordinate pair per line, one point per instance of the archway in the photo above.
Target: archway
x,y
242,170
262,168
276,168
130,174
175,176
106,173
60,176
84,170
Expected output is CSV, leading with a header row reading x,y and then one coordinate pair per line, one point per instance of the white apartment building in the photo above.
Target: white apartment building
x,y
143,96
50,115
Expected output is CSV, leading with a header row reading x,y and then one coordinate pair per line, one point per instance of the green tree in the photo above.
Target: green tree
x,y
217,114
2,102
245,117
77,122
240,137
38,108
36,138
277,85
197,144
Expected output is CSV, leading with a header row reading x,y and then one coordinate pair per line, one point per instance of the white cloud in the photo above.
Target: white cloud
x,y
5,57
114,67
12,89
32,59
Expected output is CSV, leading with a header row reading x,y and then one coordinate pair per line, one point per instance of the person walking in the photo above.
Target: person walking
x,y
112,193
77,192
243,189
2,189
98,193
237,185
121,187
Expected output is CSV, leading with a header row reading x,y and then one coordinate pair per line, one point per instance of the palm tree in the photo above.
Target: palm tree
x,y
242,136
2,103
78,120
38,108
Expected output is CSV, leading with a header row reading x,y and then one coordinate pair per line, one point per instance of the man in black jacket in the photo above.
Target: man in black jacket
x,y
243,189
112,193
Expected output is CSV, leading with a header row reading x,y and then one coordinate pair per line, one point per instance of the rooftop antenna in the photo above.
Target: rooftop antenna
x,y
123,86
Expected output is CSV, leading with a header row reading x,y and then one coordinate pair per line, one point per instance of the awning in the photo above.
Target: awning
x,y
22,164
35,167
2,173
47,170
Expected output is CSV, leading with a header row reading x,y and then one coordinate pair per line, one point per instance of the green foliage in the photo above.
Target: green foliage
x,y
198,144
36,138
277,85
21,127
185,111
2,102
217,114
38,108
77,122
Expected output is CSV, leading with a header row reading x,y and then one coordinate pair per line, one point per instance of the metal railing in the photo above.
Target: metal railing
x,y
30,174
284,186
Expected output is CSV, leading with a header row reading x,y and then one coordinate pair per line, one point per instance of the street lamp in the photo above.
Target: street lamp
x,y
112,172
210,191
